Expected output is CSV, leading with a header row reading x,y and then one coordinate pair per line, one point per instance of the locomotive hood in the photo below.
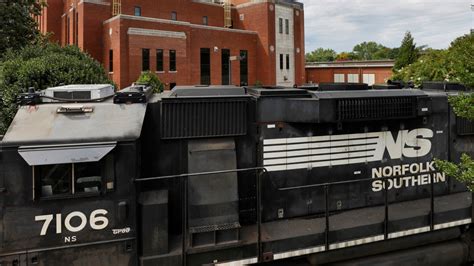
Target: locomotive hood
x,y
59,123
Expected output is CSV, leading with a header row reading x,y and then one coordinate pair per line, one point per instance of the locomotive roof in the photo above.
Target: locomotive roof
x,y
45,124
367,93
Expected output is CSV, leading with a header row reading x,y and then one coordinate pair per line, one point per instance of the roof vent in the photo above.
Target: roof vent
x,y
79,92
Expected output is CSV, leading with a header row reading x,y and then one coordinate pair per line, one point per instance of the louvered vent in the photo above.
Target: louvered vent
x,y
464,126
203,118
376,108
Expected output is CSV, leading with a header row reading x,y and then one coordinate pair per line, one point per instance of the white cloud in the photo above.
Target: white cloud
x,y
341,24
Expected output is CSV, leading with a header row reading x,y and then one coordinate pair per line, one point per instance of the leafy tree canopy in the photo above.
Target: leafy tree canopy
x,y
370,51
408,52
362,51
17,24
321,55
42,66
453,65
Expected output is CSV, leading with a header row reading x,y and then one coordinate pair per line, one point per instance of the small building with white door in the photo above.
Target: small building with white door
x,y
370,72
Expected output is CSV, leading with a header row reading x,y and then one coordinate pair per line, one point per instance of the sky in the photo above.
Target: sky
x,y
341,24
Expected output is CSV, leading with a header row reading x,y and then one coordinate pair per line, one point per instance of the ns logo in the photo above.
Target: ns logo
x,y
409,144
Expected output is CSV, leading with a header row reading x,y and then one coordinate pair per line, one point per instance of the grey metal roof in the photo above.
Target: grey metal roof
x,y
349,64
367,93
41,124
213,90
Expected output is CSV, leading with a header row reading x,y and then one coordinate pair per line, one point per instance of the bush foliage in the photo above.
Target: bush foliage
x,y
454,64
152,80
42,66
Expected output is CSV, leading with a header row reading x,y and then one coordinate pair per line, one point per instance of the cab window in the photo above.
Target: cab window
x,y
75,179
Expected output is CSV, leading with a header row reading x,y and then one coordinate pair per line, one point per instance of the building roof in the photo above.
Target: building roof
x,y
351,64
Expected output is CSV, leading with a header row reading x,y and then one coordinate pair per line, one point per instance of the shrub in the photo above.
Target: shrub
x,y
152,80
42,66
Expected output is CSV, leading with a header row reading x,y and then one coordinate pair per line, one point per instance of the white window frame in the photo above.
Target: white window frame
x,y
369,79
339,78
353,78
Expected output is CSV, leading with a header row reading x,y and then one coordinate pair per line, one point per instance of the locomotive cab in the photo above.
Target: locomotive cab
x,y
68,168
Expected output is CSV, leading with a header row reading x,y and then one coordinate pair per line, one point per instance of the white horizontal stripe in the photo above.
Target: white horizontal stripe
x,y
409,232
274,141
317,158
323,138
317,151
239,262
327,144
356,242
300,252
452,224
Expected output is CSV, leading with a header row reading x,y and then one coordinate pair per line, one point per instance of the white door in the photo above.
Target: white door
x,y
369,79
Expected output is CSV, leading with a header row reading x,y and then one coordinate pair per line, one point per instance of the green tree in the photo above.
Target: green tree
x,y
407,53
371,51
321,55
460,56
454,64
152,80
347,56
17,24
42,66
430,67
463,106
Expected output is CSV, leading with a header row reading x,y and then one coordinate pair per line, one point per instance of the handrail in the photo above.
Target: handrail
x,y
326,187
184,179
262,170
200,174
347,182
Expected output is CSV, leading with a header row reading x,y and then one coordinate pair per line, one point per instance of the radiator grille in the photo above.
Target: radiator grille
x,y
203,118
464,126
376,108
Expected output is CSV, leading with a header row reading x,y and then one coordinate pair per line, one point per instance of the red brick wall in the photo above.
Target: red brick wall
x,y
51,19
91,18
187,10
299,44
318,75
93,37
259,18
188,51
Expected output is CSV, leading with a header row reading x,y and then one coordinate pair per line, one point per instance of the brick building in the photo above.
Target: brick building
x,y
186,42
370,72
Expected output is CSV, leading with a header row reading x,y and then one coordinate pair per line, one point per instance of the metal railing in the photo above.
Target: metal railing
x,y
184,180
386,203
259,171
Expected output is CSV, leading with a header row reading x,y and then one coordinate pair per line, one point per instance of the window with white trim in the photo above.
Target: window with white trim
x,y
369,79
353,78
339,78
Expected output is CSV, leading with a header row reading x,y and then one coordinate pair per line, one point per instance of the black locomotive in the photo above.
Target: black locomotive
x,y
233,176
